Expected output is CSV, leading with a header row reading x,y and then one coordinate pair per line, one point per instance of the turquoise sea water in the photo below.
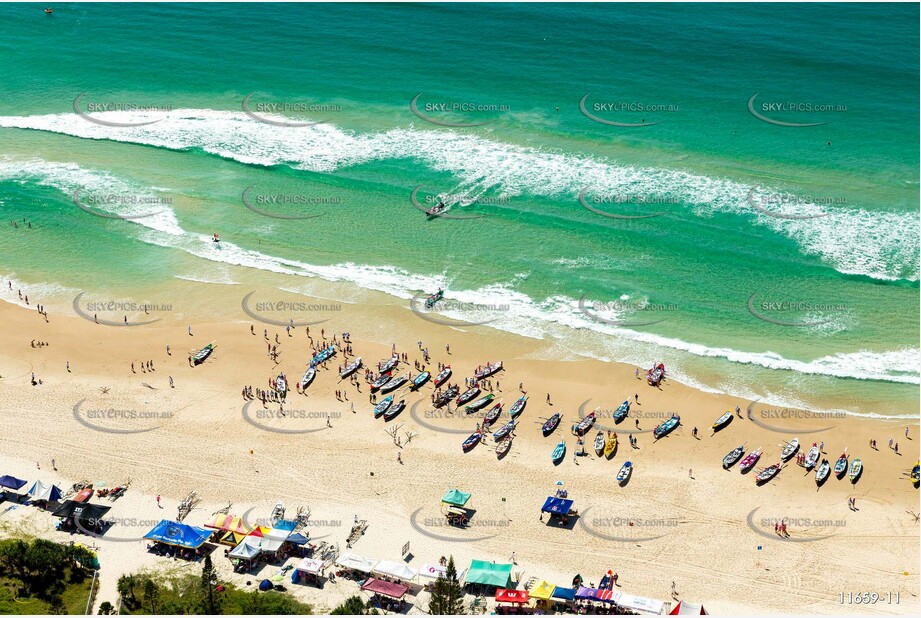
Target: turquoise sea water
x,y
844,194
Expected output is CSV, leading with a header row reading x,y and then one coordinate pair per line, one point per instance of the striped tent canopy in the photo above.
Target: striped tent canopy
x,y
231,538
229,523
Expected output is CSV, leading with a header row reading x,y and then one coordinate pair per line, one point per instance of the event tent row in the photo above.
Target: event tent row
x,y
394,570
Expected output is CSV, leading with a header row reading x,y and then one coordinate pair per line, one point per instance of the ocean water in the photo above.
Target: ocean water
x,y
749,212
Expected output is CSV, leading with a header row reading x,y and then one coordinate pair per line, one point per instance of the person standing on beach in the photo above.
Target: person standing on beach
x,y
636,397
190,330
160,506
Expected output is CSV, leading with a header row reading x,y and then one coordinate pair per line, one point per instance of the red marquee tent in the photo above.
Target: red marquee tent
x,y
388,589
504,595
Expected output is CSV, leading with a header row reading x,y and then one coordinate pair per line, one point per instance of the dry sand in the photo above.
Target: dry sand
x,y
663,526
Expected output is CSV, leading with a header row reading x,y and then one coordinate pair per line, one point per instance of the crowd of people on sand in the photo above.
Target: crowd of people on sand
x,y
263,395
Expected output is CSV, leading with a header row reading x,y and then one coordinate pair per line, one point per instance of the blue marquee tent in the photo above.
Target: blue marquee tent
x,y
179,534
299,539
564,594
557,506
11,482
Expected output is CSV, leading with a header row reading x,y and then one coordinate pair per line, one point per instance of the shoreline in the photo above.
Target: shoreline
x,y
332,292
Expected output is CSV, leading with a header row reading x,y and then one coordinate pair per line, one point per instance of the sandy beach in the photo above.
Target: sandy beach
x,y
681,518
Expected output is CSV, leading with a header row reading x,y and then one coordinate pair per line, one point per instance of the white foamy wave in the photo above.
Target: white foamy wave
x,y
115,195
388,279
855,241
501,306
51,295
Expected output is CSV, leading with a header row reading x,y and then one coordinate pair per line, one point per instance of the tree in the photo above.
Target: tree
x,y
353,606
447,594
12,557
151,595
126,591
106,609
208,583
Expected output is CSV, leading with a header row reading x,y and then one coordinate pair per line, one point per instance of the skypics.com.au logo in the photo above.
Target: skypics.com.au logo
x,y
150,113
615,113
118,420
457,114
275,113
120,312
286,312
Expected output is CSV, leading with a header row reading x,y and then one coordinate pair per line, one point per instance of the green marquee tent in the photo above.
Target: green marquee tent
x,y
456,497
489,573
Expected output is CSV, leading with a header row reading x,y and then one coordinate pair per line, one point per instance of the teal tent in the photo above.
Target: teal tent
x,y
489,573
456,497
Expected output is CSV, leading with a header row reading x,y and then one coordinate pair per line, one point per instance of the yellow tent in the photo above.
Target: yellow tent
x,y
543,591
231,538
